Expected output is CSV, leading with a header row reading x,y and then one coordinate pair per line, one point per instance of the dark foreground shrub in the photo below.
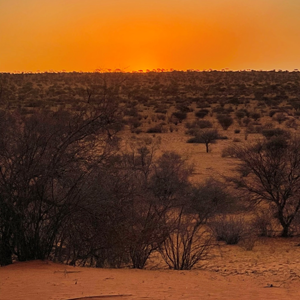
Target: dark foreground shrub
x,y
229,229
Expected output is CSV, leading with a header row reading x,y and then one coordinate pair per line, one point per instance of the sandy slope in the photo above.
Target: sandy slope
x,y
232,273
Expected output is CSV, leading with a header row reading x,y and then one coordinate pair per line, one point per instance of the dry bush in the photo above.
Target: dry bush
x,y
253,127
255,115
275,132
179,116
248,241
230,229
187,244
202,113
264,223
195,126
225,121
229,151
156,129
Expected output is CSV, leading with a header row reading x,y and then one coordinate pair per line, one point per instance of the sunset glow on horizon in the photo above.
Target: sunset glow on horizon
x,y
139,35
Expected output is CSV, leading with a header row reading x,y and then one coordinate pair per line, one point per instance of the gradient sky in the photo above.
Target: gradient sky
x,y
85,35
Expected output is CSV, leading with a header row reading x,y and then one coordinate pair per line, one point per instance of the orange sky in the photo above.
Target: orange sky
x,y
85,35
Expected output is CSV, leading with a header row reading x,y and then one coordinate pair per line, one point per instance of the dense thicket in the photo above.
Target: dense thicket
x,y
45,161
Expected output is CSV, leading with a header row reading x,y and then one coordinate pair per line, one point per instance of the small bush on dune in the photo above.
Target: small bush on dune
x,y
263,222
229,229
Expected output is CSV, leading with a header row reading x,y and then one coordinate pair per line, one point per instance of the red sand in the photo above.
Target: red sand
x,y
46,280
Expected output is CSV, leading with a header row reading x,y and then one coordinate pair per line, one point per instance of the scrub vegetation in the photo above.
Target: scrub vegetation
x,y
93,170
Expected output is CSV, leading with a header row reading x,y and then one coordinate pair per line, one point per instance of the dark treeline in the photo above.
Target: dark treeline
x,y
224,87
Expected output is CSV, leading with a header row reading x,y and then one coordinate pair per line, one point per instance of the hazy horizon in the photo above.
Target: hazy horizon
x,y
132,35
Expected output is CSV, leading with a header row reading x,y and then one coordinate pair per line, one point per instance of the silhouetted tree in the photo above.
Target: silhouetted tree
x,y
207,136
270,173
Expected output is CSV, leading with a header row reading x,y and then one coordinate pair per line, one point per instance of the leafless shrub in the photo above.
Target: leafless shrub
x,y
264,223
187,244
230,229
248,241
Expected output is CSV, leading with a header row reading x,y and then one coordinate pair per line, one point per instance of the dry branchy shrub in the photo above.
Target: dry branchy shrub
x,y
230,229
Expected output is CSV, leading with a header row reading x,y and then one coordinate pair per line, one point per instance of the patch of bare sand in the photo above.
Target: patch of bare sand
x,y
270,271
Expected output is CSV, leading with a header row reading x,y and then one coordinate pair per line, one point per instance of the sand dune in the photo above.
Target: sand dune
x,y
270,271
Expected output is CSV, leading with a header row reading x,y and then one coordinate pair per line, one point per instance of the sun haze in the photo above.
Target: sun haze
x,y
75,35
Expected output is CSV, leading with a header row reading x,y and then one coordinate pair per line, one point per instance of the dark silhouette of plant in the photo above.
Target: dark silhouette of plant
x,y
230,229
187,243
44,161
179,116
225,121
275,132
211,198
201,113
205,136
269,173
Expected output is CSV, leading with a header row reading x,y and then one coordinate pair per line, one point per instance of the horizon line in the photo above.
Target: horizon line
x,y
142,71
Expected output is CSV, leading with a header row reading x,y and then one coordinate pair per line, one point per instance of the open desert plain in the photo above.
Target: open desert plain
x,y
155,185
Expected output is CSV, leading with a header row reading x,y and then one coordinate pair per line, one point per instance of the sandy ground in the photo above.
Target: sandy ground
x,y
270,271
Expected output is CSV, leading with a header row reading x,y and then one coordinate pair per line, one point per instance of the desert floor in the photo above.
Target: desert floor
x,y
270,271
